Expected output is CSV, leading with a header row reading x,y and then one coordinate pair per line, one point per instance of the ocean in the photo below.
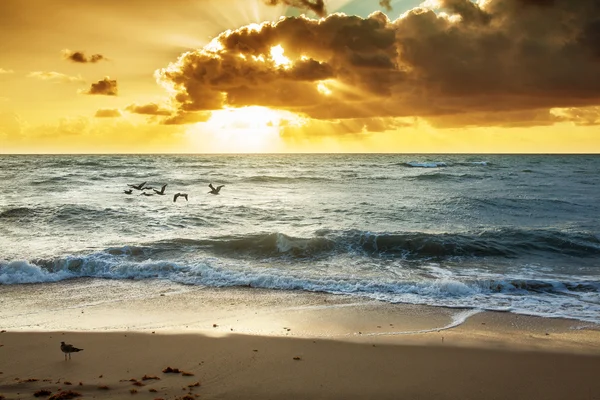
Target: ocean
x,y
515,233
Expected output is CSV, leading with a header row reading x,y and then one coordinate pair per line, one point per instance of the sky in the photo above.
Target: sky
x,y
248,76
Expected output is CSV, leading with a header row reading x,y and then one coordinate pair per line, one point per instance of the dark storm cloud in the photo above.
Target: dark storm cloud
x,y
80,57
106,86
474,63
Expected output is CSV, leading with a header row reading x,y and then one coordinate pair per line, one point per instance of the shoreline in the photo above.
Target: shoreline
x,y
93,304
266,344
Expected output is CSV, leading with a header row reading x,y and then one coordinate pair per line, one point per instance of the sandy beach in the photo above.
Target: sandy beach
x,y
311,346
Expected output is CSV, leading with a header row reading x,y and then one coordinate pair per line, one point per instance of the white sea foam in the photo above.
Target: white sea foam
x,y
21,271
547,298
457,320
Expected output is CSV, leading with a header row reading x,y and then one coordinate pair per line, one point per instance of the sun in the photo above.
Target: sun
x,y
250,129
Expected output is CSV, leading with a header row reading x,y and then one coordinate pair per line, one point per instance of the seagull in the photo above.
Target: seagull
x,y
214,190
68,349
147,188
128,191
146,194
138,187
162,189
184,195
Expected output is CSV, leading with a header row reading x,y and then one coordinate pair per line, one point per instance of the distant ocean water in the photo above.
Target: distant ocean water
x,y
512,233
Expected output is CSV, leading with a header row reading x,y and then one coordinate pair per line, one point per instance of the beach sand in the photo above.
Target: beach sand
x,y
292,346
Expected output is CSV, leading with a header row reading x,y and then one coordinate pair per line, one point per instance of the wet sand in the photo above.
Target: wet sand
x,y
239,343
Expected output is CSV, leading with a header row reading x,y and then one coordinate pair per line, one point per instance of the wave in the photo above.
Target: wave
x,y
284,179
504,243
433,164
54,180
444,164
551,297
19,212
473,163
64,214
439,176
415,246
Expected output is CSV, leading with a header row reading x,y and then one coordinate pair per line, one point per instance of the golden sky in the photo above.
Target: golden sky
x,y
202,76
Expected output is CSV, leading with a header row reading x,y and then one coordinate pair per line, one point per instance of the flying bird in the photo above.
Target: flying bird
x,y
128,191
146,194
138,187
214,190
162,190
68,349
184,195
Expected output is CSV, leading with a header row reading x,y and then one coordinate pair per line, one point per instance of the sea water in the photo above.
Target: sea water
x,y
516,233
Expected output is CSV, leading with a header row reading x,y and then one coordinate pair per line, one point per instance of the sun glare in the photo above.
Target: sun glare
x,y
323,89
278,58
245,130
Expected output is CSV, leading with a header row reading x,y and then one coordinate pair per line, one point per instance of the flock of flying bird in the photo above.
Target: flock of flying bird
x,y
142,187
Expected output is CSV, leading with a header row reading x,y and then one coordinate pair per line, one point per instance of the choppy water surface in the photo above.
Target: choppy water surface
x,y
516,233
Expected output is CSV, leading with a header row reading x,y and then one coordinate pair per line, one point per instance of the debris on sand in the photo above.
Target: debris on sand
x,y
65,395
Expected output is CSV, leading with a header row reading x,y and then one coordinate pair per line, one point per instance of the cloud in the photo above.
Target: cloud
x,y
585,116
386,4
105,87
55,76
6,71
182,118
148,109
11,126
107,113
80,57
79,134
346,126
316,6
465,62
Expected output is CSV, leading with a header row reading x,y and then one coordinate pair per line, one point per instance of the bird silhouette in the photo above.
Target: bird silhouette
x,y
184,195
214,190
161,191
128,191
138,187
68,349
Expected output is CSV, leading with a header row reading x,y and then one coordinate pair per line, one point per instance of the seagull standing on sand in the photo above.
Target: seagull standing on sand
x,y
68,349
162,190
138,187
214,190
184,195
